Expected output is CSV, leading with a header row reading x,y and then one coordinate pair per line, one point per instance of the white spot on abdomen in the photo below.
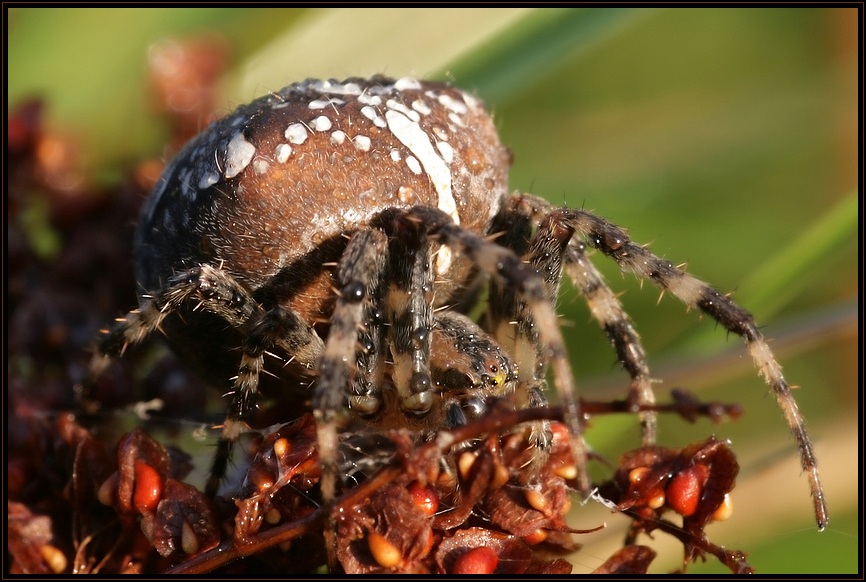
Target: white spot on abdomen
x,y
283,152
413,164
420,107
453,104
296,133
261,166
208,180
362,143
239,153
407,84
321,123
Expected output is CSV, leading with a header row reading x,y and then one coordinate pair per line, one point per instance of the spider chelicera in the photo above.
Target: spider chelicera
x,y
328,240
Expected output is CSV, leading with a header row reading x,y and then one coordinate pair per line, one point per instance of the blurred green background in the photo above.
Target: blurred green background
x,y
725,137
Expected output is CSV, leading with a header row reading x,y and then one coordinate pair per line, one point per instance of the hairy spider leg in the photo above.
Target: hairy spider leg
x,y
409,311
359,272
607,310
614,242
217,291
510,316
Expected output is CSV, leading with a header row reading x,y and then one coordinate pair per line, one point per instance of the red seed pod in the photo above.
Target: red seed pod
x,y
481,560
685,489
148,488
425,497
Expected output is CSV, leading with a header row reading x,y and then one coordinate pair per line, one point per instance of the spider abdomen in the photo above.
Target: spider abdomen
x,y
278,178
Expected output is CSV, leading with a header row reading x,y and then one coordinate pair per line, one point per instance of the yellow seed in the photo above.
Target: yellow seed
x,y
465,462
535,537
105,495
384,552
657,500
635,475
725,510
188,540
286,546
500,477
54,558
281,446
566,471
273,516
537,500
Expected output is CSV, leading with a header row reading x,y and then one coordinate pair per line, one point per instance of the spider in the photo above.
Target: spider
x,y
328,240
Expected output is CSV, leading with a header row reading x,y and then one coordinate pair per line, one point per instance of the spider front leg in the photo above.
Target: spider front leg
x,y
510,315
409,310
617,325
359,274
614,242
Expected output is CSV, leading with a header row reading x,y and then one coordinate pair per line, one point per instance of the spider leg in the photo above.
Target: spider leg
x,y
608,312
614,242
409,310
359,272
493,259
217,291
617,325
511,317
277,328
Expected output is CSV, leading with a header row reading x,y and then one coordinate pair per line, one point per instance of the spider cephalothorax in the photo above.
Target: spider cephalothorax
x,y
334,234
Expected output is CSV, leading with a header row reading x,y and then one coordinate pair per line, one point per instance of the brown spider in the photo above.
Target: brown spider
x,y
327,241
